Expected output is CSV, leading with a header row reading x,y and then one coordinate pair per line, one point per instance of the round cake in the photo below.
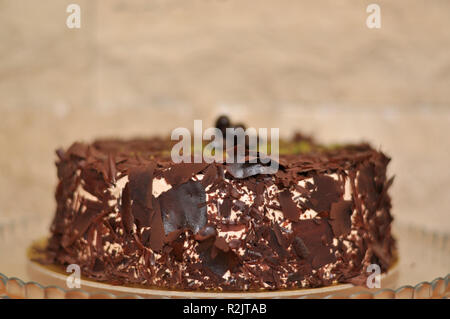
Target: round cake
x,y
128,214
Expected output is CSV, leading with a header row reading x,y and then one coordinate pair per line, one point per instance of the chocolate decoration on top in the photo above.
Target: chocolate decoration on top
x,y
222,123
244,170
128,215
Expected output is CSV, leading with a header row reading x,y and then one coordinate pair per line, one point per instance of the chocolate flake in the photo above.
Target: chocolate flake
x,y
244,170
182,207
181,173
210,175
225,207
78,150
156,240
220,262
127,215
289,208
326,191
317,238
221,243
141,183
340,217
300,248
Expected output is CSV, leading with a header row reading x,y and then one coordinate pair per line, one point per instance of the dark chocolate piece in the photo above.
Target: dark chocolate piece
x,y
289,208
340,217
243,170
181,207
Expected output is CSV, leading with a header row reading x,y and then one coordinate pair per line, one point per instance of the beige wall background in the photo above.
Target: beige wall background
x,y
145,67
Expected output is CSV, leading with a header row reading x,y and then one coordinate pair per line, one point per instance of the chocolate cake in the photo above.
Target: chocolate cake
x,y
128,215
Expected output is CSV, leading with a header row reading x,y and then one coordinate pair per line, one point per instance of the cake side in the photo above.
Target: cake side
x,y
128,215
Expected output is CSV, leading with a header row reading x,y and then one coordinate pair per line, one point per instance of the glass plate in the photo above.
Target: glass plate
x,y
421,272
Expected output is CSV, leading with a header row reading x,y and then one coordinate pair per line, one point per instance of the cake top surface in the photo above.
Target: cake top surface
x,y
299,153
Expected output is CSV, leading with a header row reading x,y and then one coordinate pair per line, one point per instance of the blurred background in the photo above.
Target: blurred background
x,y
137,68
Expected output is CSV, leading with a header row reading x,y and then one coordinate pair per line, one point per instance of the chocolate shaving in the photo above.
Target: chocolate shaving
x,y
181,173
141,184
289,208
279,235
326,191
225,207
112,170
205,233
221,244
182,207
220,262
244,170
80,226
210,175
300,248
317,238
340,217
125,210
78,150
157,231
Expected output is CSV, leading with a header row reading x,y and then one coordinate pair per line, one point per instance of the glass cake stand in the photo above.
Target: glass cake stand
x,y
422,271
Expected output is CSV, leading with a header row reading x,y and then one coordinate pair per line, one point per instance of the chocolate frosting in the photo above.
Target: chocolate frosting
x,y
176,239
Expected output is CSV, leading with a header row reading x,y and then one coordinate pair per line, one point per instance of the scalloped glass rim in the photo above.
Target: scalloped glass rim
x,y
49,275
421,249
16,288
